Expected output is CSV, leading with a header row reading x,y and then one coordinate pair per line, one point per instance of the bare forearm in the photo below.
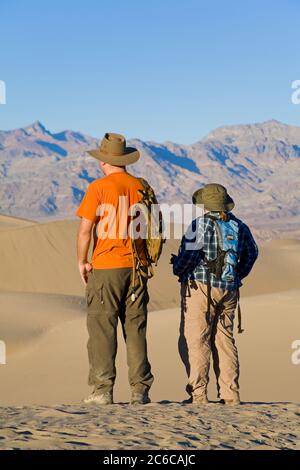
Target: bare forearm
x,y
83,244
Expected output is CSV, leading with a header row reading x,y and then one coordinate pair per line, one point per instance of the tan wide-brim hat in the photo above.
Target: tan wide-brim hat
x,y
214,197
113,150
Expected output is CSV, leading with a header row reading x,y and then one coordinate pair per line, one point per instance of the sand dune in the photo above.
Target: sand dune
x,y
8,222
42,258
53,368
25,316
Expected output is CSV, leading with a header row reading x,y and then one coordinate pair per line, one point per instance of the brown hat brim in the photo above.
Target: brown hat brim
x,y
130,156
226,207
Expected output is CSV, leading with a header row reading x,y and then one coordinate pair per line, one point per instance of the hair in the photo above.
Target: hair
x,y
107,168
223,215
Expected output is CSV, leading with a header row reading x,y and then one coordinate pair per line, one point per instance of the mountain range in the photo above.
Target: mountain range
x,y
44,175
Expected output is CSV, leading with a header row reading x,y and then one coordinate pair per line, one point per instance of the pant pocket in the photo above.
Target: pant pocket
x,y
94,298
89,295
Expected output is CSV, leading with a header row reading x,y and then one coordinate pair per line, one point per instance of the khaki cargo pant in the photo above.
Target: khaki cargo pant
x,y
203,335
108,299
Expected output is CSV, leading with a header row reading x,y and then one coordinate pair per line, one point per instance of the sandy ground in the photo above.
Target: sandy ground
x,y
42,321
211,427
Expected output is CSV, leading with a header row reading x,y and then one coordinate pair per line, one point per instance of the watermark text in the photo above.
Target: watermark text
x,y
296,354
296,94
2,353
2,92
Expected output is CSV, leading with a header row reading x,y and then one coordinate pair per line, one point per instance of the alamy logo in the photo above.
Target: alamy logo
x,y
296,94
2,92
132,222
296,354
2,352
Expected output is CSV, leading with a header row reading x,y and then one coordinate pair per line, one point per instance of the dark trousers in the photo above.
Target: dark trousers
x,y
108,298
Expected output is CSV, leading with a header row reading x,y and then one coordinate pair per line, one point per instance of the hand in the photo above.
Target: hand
x,y
84,269
173,257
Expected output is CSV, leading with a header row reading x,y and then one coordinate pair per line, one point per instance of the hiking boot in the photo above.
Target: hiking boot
x,y
234,402
99,398
200,400
140,398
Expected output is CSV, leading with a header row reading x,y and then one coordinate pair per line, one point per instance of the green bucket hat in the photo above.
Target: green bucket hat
x,y
113,150
214,197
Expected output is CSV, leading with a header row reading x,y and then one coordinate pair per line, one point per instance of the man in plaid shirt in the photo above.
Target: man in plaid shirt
x,y
190,264
209,302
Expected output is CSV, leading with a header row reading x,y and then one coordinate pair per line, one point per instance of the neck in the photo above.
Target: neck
x,y
115,169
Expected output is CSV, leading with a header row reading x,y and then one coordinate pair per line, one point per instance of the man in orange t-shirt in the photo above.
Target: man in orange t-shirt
x,y
104,212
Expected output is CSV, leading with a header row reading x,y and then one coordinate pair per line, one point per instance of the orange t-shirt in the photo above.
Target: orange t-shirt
x,y
106,203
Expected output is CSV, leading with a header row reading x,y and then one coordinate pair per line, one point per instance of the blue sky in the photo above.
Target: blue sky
x,y
156,69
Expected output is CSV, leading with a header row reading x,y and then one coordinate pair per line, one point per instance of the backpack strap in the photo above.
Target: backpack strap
x,y
240,329
139,270
212,265
215,266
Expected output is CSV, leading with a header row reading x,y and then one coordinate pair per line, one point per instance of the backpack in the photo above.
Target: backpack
x,y
154,239
224,266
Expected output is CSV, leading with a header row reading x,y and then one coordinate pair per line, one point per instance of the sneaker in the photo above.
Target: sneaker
x,y
200,400
234,402
99,398
140,398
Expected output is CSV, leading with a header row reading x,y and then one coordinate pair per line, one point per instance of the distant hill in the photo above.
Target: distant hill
x,y
44,174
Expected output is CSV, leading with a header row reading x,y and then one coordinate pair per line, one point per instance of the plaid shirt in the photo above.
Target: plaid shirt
x,y
190,264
